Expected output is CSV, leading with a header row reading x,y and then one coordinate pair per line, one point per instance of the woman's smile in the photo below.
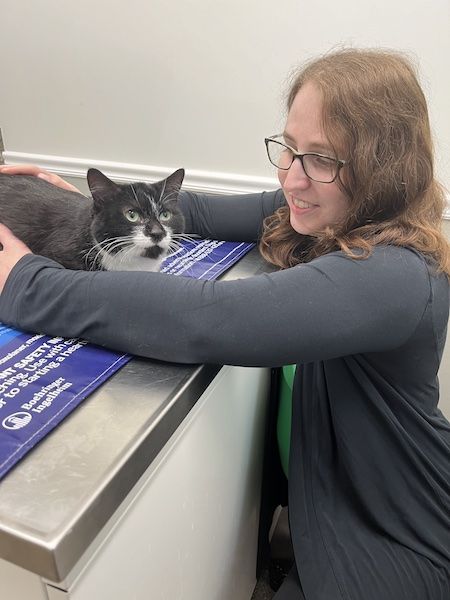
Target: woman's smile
x,y
298,205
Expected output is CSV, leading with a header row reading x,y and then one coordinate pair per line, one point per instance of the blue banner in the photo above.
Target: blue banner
x,y
42,378
204,259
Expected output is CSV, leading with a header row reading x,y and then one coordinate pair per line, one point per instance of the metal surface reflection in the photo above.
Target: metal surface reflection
x,y
57,499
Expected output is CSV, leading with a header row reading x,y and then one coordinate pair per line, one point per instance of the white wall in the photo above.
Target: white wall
x,y
189,83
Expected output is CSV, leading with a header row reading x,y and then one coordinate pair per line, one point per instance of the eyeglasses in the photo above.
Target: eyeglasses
x,y
317,167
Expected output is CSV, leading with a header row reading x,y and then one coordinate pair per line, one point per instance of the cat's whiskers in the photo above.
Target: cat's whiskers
x,y
111,241
162,192
106,246
101,253
165,198
173,246
124,247
135,195
101,243
185,236
106,243
118,247
92,249
124,255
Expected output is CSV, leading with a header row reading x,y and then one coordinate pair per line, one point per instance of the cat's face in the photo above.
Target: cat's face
x,y
133,224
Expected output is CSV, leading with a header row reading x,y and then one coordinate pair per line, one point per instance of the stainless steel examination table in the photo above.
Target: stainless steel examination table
x,y
149,490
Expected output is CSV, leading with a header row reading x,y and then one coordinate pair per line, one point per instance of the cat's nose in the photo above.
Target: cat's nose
x,y
157,232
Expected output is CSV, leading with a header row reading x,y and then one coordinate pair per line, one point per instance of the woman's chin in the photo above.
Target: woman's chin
x,y
300,226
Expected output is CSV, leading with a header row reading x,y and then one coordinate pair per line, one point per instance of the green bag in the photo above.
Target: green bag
x,y
285,415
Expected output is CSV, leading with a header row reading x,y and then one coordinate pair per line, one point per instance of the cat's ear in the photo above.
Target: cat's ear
x,y
173,183
101,186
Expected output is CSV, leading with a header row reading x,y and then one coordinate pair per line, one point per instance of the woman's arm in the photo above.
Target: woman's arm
x,y
331,307
233,218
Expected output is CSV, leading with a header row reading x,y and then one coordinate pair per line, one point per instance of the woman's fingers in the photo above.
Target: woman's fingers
x,y
21,170
38,172
58,181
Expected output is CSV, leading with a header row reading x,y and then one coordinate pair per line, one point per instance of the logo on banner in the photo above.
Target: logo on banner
x,y
16,420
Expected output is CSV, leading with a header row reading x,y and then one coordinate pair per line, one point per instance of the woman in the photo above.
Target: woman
x,y
361,305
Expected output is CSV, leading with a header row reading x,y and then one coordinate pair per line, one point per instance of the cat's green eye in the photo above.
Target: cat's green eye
x,y
165,215
132,215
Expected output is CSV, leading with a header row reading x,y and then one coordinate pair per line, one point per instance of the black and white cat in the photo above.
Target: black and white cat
x,y
123,227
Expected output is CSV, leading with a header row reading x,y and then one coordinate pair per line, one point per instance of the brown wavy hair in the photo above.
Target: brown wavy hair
x,y
375,116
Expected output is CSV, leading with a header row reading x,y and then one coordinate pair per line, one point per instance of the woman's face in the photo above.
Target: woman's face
x,y
313,206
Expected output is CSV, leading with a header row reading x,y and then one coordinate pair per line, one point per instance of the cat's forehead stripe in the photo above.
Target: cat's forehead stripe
x,y
152,202
141,196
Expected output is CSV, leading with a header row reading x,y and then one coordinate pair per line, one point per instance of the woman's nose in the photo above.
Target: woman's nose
x,y
295,178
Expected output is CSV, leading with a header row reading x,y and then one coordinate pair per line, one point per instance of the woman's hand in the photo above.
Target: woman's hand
x,y
11,251
38,172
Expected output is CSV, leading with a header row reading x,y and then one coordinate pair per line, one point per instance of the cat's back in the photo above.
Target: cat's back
x,y
30,206
36,194
51,221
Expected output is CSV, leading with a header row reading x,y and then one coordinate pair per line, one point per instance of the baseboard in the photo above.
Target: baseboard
x,y
199,181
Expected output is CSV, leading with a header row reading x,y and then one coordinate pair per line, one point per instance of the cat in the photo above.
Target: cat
x,y
123,227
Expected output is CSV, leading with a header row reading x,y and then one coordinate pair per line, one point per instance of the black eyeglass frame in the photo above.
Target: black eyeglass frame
x,y
272,138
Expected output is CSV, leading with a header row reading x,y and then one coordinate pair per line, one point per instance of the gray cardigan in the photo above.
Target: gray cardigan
x,y
369,482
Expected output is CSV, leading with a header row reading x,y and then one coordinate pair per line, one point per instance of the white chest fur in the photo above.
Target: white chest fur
x,y
120,262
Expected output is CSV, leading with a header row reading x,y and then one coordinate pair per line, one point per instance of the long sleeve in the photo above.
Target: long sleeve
x,y
232,218
334,306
